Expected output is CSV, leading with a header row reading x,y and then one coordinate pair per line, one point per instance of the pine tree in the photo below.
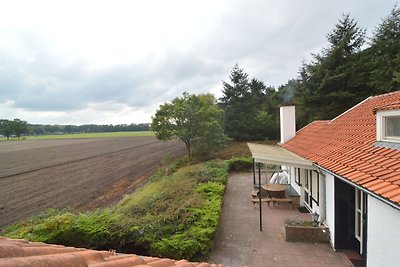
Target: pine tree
x,y
329,85
244,118
385,54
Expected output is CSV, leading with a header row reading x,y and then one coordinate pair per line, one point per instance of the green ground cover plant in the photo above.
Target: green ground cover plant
x,y
175,215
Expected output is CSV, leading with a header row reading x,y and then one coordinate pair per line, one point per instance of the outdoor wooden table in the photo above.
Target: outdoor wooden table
x,y
275,190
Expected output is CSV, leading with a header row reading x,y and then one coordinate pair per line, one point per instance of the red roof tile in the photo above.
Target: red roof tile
x,y
346,147
18,252
391,106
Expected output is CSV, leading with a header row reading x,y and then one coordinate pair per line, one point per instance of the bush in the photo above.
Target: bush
x,y
240,164
195,241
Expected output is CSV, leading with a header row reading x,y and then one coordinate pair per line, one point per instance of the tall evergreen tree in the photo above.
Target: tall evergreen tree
x,y
385,54
245,117
328,85
238,105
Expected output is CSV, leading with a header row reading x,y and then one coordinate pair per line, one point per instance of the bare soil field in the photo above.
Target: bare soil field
x,y
80,174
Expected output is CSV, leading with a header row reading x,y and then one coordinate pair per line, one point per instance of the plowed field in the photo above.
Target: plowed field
x,y
75,173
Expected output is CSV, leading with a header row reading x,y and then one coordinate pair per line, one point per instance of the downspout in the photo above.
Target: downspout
x,y
259,194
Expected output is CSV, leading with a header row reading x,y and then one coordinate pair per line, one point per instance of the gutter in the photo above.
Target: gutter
x,y
392,204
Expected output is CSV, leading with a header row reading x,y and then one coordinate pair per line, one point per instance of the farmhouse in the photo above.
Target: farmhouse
x,y
347,170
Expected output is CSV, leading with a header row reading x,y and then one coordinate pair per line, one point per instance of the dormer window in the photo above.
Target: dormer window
x,y
388,126
392,127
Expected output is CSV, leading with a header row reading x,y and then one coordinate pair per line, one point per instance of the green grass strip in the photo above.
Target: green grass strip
x,y
84,135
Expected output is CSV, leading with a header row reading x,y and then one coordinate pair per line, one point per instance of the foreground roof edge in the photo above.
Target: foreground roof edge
x,y
22,253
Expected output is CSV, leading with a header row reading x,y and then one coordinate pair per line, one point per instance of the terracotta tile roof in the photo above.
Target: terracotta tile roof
x,y
391,106
345,146
18,252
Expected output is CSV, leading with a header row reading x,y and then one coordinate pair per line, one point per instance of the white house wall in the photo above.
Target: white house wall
x,y
330,205
383,248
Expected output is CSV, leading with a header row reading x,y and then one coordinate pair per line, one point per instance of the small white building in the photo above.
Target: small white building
x,y
348,171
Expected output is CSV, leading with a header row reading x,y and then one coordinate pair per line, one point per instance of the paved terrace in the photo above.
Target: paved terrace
x,y
239,242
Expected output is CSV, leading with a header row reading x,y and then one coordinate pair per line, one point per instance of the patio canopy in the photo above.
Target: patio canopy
x,y
278,156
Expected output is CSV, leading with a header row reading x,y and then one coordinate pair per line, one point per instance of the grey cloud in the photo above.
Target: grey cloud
x,y
45,84
268,39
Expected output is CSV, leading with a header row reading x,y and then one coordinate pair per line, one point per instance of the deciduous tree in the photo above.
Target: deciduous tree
x,y
15,127
6,128
20,127
195,120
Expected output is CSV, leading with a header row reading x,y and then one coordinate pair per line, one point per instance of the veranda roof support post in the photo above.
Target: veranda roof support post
x,y
259,194
254,172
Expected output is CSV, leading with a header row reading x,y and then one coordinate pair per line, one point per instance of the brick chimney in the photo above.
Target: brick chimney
x,y
288,123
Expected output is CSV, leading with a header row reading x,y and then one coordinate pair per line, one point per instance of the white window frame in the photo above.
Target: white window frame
x,y
307,190
311,188
358,214
381,117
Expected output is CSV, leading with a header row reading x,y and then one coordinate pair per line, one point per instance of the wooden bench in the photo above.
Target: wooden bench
x,y
273,200
284,200
264,199
254,193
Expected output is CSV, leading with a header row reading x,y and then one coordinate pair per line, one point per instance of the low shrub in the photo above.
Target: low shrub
x,y
240,164
298,222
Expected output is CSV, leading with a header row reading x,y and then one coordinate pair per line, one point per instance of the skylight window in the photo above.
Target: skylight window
x,y
392,127
388,126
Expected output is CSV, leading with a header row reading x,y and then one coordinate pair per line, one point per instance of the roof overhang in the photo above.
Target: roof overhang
x,y
278,156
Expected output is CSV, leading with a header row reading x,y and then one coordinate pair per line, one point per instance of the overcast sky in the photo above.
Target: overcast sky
x,y
112,62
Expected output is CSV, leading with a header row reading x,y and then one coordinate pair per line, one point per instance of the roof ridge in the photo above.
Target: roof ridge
x,y
309,124
386,94
380,108
350,109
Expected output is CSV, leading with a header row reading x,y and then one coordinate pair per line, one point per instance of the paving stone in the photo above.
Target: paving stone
x,y
248,246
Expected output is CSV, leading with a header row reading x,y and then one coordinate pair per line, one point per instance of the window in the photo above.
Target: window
x,y
307,190
392,127
359,220
315,186
388,126
297,176
311,188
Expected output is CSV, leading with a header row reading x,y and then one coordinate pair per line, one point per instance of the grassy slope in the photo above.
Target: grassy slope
x,y
173,216
85,135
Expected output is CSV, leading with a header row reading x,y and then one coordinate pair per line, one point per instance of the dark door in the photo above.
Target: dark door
x,y
344,217
365,225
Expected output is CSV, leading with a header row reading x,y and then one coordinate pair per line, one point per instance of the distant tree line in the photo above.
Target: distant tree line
x,y
18,128
39,129
351,68
14,127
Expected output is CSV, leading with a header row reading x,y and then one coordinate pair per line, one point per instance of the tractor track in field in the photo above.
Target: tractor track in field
x,y
78,175
72,161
